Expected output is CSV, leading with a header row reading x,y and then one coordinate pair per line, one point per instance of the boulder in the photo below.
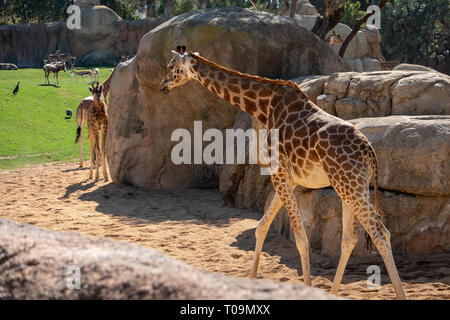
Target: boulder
x,y
423,93
97,21
242,185
384,93
303,7
413,152
98,58
143,119
371,64
8,66
39,264
413,67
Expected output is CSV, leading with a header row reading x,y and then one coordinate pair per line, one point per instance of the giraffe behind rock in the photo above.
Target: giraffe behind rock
x,y
316,150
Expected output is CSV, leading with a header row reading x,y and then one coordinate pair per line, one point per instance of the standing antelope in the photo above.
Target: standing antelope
x,y
82,74
55,69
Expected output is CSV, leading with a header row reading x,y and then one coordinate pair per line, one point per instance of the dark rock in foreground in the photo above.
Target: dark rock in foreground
x,y
37,264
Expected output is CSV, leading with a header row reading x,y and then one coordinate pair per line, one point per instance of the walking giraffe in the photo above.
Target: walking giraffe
x,y
316,150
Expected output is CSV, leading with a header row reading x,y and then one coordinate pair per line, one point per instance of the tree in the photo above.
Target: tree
x,y
357,27
334,11
417,32
151,10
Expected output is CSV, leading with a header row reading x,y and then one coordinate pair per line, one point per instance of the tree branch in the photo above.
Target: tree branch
x,y
253,4
356,29
293,7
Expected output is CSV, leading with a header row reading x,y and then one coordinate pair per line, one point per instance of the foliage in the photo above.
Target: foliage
x,y
417,32
33,128
352,13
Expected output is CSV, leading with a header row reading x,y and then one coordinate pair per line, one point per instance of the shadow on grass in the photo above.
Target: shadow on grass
x,y
49,85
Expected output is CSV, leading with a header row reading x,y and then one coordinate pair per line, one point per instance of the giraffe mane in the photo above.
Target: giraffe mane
x,y
245,75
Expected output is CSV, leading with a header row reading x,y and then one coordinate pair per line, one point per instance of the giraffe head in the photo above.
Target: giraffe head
x,y
179,70
97,92
334,39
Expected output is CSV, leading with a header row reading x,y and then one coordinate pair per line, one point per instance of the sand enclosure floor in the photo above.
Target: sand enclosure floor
x,y
193,226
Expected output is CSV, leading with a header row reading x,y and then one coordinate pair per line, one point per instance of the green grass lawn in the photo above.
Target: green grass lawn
x,y
33,128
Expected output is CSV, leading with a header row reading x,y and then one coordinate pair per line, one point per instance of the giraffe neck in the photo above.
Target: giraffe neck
x,y
99,104
251,96
107,84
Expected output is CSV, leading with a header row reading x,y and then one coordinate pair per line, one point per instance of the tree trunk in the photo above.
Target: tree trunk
x,y
324,25
293,7
356,29
203,4
168,8
151,9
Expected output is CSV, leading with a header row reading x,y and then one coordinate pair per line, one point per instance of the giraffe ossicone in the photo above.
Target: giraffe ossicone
x,y
316,150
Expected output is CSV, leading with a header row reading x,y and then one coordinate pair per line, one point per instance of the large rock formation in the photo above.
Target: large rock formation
x,y
40,264
103,38
374,94
142,118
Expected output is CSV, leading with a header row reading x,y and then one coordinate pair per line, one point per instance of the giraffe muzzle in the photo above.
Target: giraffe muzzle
x,y
164,90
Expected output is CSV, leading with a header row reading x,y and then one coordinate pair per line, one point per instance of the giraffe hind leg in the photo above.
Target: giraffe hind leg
x,y
380,236
348,243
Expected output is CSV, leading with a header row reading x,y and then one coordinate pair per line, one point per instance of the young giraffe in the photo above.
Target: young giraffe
x,y
334,39
98,121
83,110
316,150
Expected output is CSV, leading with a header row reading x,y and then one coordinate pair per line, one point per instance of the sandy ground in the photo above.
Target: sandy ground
x,y
194,227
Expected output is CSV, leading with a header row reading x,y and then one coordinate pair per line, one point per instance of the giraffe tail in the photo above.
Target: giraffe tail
x,y
373,163
78,134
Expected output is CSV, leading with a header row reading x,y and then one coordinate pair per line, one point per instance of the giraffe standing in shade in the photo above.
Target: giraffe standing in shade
x,y
83,110
97,120
316,150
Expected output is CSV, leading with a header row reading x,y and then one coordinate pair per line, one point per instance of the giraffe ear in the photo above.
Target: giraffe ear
x,y
178,56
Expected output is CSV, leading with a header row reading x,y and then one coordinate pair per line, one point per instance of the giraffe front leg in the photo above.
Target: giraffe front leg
x,y
282,183
81,145
92,147
262,229
105,173
349,240
98,157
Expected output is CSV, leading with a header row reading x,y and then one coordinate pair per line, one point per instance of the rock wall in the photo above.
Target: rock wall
x,y
103,38
34,265
142,118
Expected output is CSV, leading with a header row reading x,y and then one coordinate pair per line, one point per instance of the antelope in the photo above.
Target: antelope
x,y
55,69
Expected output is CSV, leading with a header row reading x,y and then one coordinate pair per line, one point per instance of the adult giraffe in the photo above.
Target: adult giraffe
x,y
316,150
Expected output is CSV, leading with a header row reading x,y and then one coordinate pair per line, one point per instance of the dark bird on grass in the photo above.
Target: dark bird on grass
x,y
69,114
16,89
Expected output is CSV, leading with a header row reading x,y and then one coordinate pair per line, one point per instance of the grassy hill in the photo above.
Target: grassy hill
x,y
33,128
